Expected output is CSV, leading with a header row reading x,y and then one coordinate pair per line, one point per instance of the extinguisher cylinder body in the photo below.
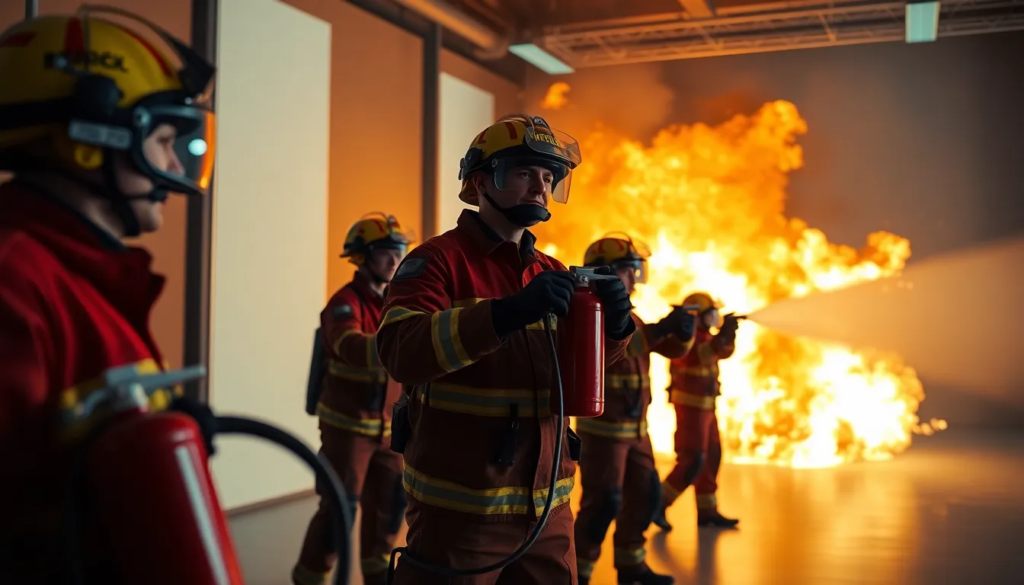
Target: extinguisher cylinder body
x,y
154,496
581,356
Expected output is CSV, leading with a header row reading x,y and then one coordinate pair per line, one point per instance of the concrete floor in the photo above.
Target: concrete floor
x,y
949,511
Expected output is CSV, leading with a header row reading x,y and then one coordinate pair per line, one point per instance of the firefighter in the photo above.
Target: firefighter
x,y
97,125
620,481
355,405
464,330
693,392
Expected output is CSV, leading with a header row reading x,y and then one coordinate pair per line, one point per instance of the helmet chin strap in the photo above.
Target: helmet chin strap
x,y
120,202
524,215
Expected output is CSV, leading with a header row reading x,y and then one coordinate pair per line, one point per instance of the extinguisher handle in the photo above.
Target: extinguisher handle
x,y
584,276
128,387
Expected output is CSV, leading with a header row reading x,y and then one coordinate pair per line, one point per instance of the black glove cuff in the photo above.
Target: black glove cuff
x,y
662,328
621,331
503,317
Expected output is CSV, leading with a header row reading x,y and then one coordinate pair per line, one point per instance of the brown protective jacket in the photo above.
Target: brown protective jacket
x,y
627,384
483,435
695,376
358,395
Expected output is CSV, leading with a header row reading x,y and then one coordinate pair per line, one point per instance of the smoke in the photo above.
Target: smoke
x,y
633,102
955,318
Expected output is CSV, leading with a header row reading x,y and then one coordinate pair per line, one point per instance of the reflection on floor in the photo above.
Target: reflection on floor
x,y
950,511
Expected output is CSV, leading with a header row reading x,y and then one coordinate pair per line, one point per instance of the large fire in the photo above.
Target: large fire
x,y
709,202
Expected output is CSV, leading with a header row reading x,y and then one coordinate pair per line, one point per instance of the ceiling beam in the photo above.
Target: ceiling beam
x,y
699,8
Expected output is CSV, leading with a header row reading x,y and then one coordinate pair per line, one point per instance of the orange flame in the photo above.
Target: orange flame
x,y
709,201
556,98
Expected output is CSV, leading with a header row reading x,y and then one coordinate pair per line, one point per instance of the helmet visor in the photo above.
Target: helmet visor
x,y
561,178
637,265
180,147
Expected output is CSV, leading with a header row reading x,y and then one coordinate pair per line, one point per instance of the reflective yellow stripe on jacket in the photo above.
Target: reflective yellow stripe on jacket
x,y
504,500
487,401
614,430
693,400
365,375
444,328
370,427
626,381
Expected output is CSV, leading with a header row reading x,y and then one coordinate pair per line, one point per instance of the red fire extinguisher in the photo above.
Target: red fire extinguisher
x,y
144,478
148,485
581,348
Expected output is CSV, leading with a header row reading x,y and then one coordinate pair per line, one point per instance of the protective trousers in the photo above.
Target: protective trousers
x,y
464,542
372,476
620,483
698,457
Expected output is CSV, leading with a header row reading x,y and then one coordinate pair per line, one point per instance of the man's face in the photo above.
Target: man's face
x,y
158,149
627,274
523,186
384,262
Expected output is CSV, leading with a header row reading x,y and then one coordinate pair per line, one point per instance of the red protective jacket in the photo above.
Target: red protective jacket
x,y
627,384
695,377
475,399
73,303
357,394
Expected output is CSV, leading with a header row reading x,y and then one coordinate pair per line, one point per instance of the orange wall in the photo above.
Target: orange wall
x,y
168,246
376,121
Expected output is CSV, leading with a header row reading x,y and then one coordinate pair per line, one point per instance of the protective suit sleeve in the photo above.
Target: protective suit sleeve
x,y
422,336
26,354
615,349
669,345
343,330
723,346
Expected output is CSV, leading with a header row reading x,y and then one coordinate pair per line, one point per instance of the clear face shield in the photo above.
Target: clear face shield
x,y
548,148
712,318
178,147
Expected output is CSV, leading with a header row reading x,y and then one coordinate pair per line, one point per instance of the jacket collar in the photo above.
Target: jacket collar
x,y
363,287
487,239
121,273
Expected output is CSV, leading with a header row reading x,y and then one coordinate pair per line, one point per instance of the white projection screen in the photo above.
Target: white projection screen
x,y
270,236
465,111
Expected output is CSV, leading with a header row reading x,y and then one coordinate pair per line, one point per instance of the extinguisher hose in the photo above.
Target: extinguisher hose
x,y
541,522
325,476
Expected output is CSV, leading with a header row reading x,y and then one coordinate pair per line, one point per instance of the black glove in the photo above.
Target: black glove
x,y
548,292
679,322
615,300
203,416
729,326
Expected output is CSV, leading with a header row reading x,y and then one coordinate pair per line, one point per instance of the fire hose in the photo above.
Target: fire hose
x,y
126,395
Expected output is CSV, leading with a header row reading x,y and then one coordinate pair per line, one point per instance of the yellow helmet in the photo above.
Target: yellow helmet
x,y
375,231
617,249
520,140
708,306
79,88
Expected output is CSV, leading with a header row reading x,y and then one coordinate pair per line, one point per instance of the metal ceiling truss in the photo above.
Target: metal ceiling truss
x,y
780,26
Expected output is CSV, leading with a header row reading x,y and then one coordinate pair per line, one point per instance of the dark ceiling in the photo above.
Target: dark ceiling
x,y
536,14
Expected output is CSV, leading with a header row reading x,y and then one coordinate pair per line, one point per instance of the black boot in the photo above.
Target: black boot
x,y
660,520
647,577
714,519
